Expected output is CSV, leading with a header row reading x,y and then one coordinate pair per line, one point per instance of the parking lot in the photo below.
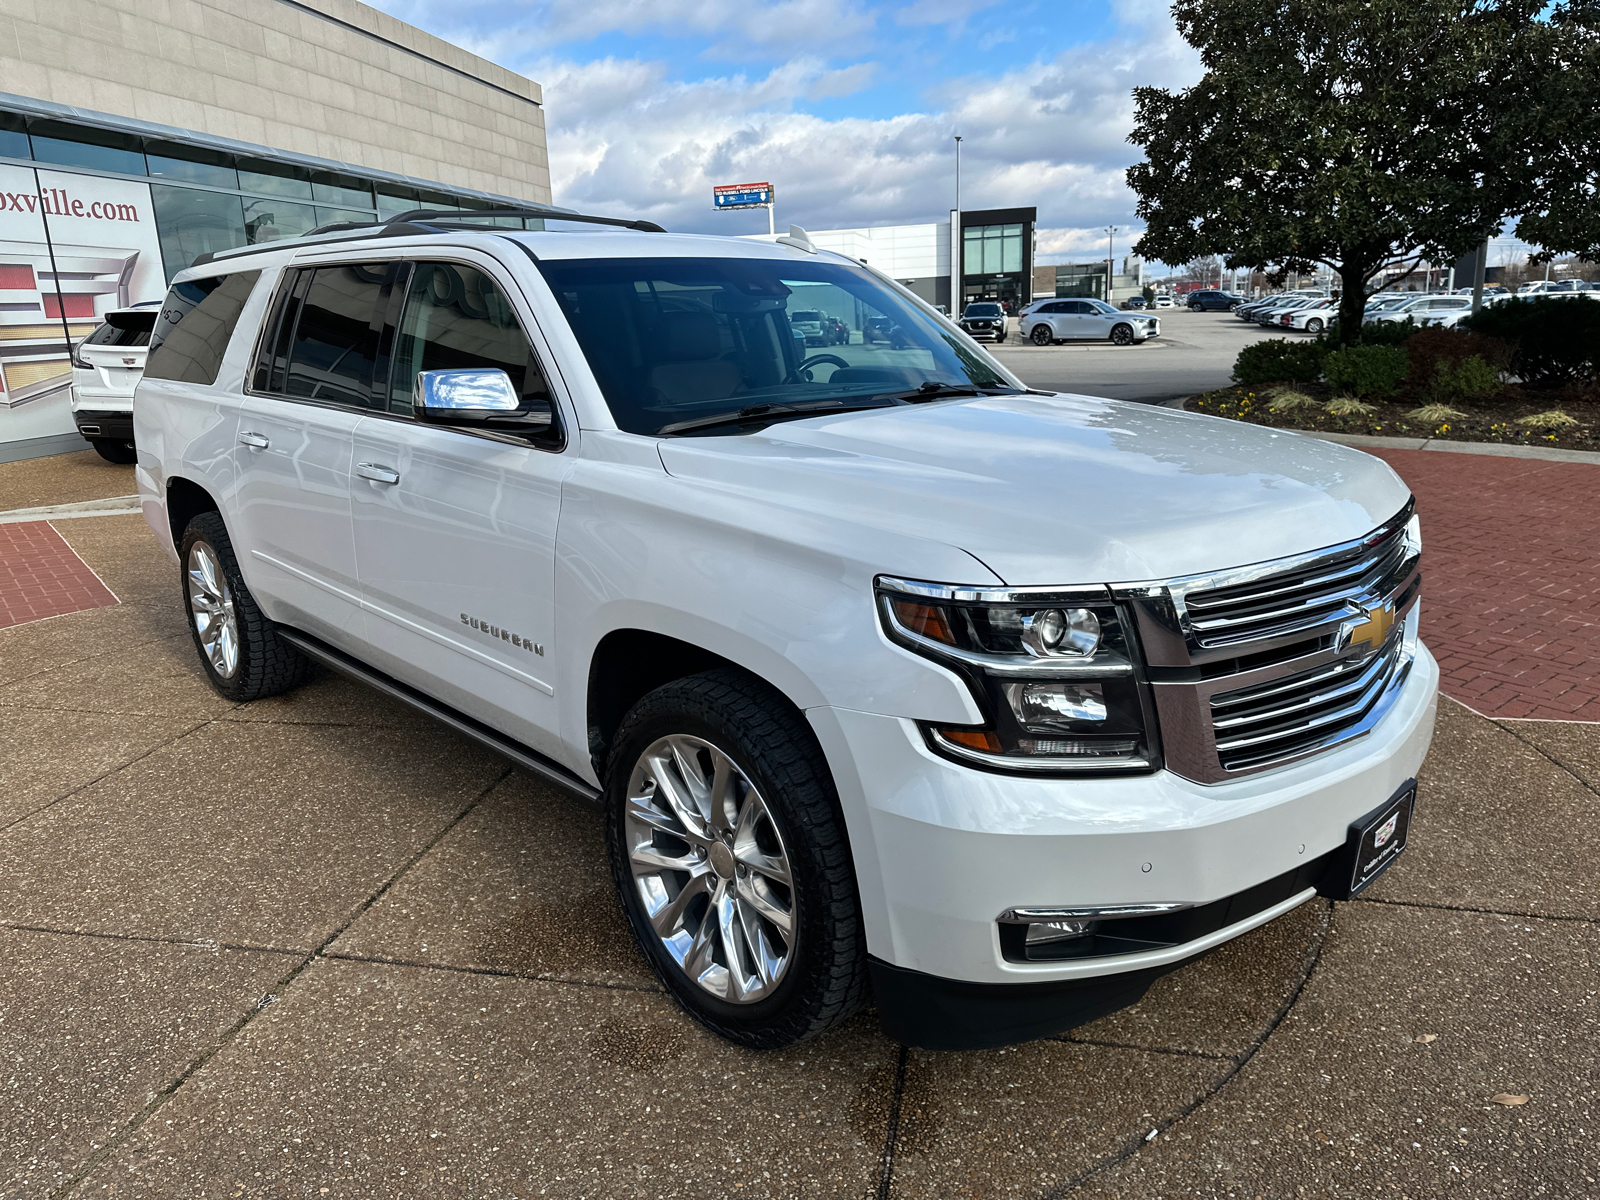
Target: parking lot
x,y
1194,353
317,946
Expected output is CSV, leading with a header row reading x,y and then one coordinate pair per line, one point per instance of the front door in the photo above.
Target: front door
x,y
455,530
309,389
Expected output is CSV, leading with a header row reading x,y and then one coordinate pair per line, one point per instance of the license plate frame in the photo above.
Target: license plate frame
x,y
1377,840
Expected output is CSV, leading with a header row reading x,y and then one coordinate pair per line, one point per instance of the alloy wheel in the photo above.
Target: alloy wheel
x,y
710,869
211,609
1122,336
1041,335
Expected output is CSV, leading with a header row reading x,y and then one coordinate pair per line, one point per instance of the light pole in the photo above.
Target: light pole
x,y
1111,258
957,244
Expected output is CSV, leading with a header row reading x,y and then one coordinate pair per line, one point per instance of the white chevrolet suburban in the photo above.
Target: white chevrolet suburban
x,y
894,678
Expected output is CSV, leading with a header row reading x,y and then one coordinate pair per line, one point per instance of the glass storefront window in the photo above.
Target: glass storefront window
x,y
390,205
13,137
273,179
342,191
190,223
270,220
327,216
992,249
187,164
79,146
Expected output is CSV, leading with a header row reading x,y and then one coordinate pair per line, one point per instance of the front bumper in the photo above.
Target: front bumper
x,y
942,849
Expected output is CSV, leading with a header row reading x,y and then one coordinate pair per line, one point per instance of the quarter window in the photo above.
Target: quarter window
x,y
457,317
196,322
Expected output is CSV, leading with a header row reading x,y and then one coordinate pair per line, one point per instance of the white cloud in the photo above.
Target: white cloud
x,y
626,138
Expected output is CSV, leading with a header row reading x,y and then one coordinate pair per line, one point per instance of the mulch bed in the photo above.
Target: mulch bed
x,y
1492,420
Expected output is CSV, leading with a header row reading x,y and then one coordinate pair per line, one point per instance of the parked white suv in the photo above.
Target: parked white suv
x,y
106,367
892,677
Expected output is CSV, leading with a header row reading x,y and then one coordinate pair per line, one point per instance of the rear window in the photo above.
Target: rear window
x,y
196,322
124,329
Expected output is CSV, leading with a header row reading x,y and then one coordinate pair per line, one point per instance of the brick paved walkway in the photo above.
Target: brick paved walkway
x,y
1511,580
41,576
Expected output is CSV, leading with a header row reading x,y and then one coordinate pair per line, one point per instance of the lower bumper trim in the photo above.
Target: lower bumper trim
x,y
952,1014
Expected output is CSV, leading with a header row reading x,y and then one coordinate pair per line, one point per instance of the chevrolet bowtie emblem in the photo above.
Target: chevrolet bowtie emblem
x,y
1374,629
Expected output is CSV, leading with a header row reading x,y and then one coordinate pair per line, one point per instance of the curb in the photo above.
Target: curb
x,y
1493,449
111,506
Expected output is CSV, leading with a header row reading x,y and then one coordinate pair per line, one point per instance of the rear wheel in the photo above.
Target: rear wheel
x,y
729,852
1314,326
1122,335
239,647
1041,335
114,450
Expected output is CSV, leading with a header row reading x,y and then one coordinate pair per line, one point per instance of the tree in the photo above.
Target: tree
x,y
1348,133
1563,215
1205,270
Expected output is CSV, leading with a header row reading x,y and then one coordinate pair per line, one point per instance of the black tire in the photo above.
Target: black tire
x,y
1196,307
1122,335
1234,307
1041,335
766,738
1314,326
114,450
999,338
267,665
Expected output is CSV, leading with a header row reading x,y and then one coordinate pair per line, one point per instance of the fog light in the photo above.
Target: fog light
x,y
1056,707
1058,931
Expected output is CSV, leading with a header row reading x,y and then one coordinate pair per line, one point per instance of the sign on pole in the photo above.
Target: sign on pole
x,y
742,195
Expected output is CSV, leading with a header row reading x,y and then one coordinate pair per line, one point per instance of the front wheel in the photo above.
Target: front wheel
x,y
114,451
728,849
1041,335
1122,335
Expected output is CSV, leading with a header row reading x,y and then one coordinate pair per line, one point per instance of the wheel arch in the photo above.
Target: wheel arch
x,y
186,500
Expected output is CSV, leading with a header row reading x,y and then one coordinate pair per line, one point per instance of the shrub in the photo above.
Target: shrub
x,y
1387,333
1449,364
1553,341
1554,419
1349,406
1367,370
1435,413
1287,400
1278,360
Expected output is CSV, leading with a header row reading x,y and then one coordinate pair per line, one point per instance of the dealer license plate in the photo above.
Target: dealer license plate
x,y
1380,838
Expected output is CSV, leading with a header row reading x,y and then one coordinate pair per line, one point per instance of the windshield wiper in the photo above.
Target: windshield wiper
x,y
756,412
934,390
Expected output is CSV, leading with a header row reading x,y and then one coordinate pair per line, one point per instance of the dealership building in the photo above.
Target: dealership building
x,y
993,255
135,137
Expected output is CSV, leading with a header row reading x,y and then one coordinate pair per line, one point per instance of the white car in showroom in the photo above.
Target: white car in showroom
x,y
894,680
1072,320
106,367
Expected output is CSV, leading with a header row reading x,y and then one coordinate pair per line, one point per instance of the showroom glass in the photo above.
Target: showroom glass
x,y
335,340
187,164
190,222
98,149
674,339
197,320
272,220
992,249
13,137
456,317
272,179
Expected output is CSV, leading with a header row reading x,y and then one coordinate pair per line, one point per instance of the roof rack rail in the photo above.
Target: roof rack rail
x,y
427,220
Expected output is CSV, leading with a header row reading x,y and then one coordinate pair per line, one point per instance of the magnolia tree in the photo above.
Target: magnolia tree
x,y
1357,134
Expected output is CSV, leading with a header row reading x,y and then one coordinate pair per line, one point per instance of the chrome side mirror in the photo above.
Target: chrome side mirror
x,y
465,395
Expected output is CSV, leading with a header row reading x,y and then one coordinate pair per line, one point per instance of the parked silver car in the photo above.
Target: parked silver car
x,y
1086,320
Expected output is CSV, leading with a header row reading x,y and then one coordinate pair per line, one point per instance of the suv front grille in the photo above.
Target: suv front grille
x,y
1301,713
1294,600
1260,666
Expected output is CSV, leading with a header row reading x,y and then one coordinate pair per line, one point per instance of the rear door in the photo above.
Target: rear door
x,y
455,529
311,384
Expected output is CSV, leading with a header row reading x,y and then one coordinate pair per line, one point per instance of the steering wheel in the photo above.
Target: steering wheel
x,y
814,361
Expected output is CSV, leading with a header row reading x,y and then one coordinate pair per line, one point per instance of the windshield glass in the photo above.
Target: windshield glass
x,y
983,310
680,339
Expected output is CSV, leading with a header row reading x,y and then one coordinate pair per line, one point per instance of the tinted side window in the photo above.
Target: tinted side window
x,y
191,334
455,317
335,340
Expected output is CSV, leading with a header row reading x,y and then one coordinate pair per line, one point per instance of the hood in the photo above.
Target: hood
x,y
1060,489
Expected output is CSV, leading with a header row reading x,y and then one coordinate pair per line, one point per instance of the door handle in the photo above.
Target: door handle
x,y
377,474
257,441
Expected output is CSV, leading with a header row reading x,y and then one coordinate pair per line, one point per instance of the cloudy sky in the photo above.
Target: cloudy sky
x,y
847,106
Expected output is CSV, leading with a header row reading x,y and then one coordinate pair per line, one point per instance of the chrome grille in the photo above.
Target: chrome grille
x,y
1259,666
1301,713
1292,600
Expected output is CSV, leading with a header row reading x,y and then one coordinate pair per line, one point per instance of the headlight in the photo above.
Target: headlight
x,y
1414,534
1055,673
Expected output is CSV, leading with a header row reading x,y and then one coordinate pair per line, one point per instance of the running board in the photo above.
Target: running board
x,y
528,759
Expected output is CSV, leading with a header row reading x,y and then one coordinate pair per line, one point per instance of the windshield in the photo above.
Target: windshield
x,y
983,310
682,339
